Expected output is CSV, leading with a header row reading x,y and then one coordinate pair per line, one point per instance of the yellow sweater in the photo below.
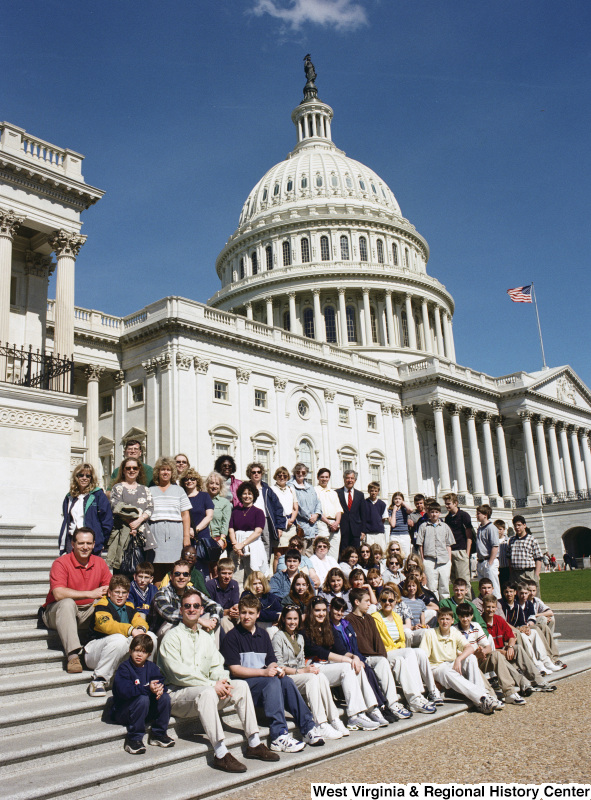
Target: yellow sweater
x,y
389,643
105,624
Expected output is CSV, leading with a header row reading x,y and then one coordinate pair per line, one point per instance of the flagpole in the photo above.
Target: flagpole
x,y
539,326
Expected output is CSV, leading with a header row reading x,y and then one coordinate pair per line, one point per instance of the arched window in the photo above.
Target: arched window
x,y
319,180
405,339
351,324
241,268
420,334
349,182
276,190
373,188
255,263
362,185
374,325
380,250
324,248
269,256
308,323
362,248
406,258
286,321
265,194
395,253
330,325
286,254
304,182
290,185
334,181
305,246
344,248
306,454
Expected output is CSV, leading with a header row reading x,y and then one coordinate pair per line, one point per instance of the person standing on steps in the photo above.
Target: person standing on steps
x,y
76,580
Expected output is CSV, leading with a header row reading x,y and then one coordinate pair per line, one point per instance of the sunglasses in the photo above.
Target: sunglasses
x,y
321,547
291,608
84,475
255,472
132,469
191,605
181,574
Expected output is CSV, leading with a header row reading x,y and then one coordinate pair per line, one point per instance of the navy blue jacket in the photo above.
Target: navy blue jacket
x,y
97,516
273,511
131,681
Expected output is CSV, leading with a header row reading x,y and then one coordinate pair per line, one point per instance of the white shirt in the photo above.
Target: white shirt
x,y
329,499
286,498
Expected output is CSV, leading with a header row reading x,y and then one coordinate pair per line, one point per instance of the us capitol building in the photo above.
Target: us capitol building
x,y
328,343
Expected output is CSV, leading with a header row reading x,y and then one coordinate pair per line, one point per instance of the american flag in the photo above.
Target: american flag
x,y
522,294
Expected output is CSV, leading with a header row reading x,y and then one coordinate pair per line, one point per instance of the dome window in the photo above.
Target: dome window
x,y
330,325
344,248
290,185
324,248
286,321
286,254
362,248
362,185
276,190
255,263
308,323
383,192
373,188
305,247
406,258
269,256
349,182
351,324
334,181
380,249
304,182
319,180
374,325
395,253
265,194
241,268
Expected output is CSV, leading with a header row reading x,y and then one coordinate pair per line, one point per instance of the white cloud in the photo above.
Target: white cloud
x,y
343,15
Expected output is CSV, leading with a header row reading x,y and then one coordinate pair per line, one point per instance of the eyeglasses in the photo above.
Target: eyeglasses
x,y
301,472
181,574
84,475
132,469
291,607
191,605
321,547
255,472
181,461
386,599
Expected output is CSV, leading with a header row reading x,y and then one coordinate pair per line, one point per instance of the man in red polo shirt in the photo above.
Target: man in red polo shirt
x,y
76,580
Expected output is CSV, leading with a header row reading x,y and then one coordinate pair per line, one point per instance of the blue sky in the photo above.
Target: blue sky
x,y
476,114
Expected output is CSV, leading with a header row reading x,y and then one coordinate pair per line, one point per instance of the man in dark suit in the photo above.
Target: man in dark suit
x,y
353,520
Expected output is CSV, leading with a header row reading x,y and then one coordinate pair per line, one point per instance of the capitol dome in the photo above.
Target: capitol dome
x,y
322,250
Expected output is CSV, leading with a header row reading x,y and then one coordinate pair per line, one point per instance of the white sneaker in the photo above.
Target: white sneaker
x,y
422,706
313,738
286,744
399,711
515,699
487,704
338,726
97,688
376,716
328,732
435,697
361,723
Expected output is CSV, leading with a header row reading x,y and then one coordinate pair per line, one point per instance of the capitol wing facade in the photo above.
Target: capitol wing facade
x,y
328,343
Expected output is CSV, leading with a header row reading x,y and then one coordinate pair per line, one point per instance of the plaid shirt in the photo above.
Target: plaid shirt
x,y
524,552
167,604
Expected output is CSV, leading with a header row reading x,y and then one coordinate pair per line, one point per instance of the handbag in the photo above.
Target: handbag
x,y
134,555
207,549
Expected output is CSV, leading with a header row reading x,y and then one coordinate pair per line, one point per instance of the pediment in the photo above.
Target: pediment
x,y
565,386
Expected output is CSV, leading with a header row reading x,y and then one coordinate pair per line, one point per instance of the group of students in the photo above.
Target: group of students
x,y
290,619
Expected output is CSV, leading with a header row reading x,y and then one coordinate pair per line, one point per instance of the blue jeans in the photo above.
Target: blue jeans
x,y
135,712
275,695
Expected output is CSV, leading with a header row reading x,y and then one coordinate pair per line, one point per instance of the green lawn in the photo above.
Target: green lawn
x,y
562,587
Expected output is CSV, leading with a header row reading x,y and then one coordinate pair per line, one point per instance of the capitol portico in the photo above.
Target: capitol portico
x,y
328,342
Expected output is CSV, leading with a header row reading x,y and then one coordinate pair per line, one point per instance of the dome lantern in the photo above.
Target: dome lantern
x,y
312,117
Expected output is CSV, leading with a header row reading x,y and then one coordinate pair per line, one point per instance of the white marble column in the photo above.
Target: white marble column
x,y
581,483
410,321
568,470
66,247
439,332
456,431
248,307
202,402
391,477
292,312
367,318
503,460
475,455
318,319
166,402
93,375
442,462
343,316
533,481
269,304
559,485
584,432
390,319
244,407
412,450
450,348
543,455
152,412
120,408
282,432
489,457
9,224
426,327
398,315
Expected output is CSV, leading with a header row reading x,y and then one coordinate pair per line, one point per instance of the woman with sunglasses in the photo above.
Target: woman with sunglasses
x,y
132,505
321,561
309,506
289,504
340,666
365,558
226,467
410,666
288,645
222,508
85,506
202,509
270,505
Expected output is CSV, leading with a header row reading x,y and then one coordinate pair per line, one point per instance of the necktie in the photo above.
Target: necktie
x,y
350,501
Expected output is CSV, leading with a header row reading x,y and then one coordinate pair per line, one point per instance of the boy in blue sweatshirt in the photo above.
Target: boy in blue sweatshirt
x,y
142,590
139,696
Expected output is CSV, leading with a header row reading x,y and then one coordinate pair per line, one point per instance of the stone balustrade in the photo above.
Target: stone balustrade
x,y
16,141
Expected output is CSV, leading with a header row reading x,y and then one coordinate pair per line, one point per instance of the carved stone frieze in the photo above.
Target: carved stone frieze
x,y
242,375
12,417
386,409
280,384
66,244
164,361
150,366
183,361
358,401
201,365
38,265
329,395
